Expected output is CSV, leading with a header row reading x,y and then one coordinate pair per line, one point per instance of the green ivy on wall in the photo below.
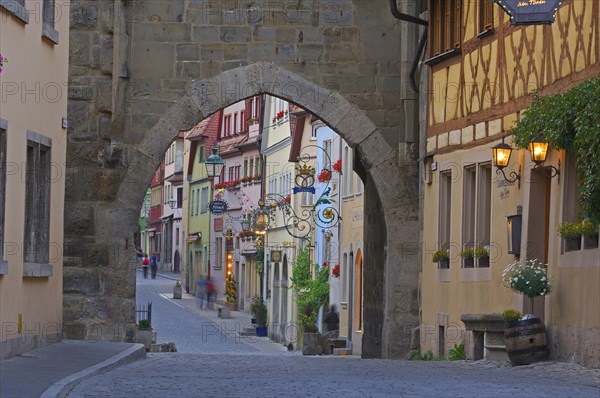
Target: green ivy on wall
x,y
311,293
570,121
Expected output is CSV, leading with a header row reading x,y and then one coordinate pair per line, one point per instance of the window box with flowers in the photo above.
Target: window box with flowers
x,y
442,257
251,120
335,271
280,117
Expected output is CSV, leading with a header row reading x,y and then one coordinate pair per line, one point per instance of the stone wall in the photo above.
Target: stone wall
x,y
141,71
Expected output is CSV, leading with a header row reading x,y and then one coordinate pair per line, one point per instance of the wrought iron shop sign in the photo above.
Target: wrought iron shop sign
x,y
529,12
218,206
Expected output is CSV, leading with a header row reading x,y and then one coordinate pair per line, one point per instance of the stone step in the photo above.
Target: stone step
x,y
342,351
248,331
337,343
163,347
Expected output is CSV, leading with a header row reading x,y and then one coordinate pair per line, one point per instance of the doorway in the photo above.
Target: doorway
x,y
538,229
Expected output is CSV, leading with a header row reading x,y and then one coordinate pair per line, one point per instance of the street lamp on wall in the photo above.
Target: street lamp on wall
x,y
246,223
172,203
538,149
214,164
261,220
501,157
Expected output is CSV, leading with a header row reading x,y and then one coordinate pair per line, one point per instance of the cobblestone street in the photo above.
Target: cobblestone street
x,y
224,368
274,375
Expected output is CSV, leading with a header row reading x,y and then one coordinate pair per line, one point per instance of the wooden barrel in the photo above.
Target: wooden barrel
x,y
525,341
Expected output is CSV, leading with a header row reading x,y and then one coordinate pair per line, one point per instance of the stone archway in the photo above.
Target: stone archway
x,y
107,178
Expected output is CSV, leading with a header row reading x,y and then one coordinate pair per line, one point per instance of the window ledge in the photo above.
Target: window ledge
x,y
49,33
485,33
37,270
442,57
15,9
3,267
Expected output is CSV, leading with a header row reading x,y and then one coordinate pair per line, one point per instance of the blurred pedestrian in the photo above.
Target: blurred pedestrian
x,y
201,291
332,320
145,265
210,291
139,255
153,265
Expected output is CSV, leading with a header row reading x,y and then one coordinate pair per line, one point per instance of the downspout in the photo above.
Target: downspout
x,y
409,18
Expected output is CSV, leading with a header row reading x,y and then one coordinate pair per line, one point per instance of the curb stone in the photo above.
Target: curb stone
x,y
61,388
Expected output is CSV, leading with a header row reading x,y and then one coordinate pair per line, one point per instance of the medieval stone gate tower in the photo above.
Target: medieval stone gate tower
x,y
141,71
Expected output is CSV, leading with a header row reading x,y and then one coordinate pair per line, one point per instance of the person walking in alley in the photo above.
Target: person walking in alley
x,y
210,291
145,265
153,265
332,320
201,291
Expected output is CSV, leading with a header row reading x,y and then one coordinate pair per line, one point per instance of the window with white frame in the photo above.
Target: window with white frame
x,y
257,165
345,277
37,199
197,200
328,161
193,196
445,208
313,132
204,200
476,218
351,174
308,199
346,173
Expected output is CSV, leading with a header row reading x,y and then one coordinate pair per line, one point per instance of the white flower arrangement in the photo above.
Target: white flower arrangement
x,y
528,277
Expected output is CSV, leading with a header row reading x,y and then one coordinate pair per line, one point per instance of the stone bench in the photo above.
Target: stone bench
x,y
488,336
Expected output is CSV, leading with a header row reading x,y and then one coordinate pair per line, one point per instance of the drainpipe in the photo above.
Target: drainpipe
x,y
409,18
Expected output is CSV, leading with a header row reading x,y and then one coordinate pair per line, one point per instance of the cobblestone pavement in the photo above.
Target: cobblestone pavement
x,y
221,368
274,375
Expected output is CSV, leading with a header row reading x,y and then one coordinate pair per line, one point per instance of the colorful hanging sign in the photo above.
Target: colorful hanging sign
x,y
217,206
529,12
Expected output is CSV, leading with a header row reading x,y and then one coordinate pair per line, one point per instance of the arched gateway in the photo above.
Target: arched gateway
x,y
146,94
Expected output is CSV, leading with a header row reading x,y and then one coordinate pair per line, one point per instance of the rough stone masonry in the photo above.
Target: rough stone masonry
x,y
141,71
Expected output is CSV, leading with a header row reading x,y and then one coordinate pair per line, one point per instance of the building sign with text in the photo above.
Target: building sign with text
x,y
529,12
217,206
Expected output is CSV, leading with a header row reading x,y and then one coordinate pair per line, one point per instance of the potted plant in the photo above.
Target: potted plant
x,y
525,338
571,233
259,312
511,316
589,230
310,294
468,256
482,254
143,333
442,257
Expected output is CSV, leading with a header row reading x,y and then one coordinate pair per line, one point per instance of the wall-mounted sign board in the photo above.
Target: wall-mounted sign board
x,y
529,12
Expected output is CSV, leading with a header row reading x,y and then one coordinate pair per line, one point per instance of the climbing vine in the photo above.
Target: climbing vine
x,y
311,293
570,121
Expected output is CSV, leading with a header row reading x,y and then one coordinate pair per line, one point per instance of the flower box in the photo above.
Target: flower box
x,y
572,244
590,242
